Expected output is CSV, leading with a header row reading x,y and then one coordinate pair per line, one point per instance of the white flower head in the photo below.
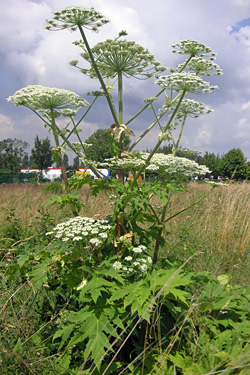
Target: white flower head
x,y
202,66
189,82
75,16
117,265
122,56
174,166
193,48
43,99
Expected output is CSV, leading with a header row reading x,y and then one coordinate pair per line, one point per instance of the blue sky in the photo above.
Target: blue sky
x,y
31,55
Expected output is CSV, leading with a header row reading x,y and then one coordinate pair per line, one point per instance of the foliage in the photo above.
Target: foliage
x,y
233,165
12,152
212,161
42,154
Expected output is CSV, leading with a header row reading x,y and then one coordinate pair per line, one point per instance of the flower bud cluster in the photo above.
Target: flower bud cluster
x,y
193,48
126,57
189,82
74,16
136,264
43,99
83,229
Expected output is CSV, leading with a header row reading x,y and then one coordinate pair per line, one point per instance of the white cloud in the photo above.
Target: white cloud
x,y
35,56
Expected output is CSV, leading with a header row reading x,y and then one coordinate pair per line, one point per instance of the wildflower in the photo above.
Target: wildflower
x,y
82,228
128,258
122,56
43,99
185,81
143,268
193,48
77,238
136,263
117,265
95,241
202,66
75,16
137,250
189,107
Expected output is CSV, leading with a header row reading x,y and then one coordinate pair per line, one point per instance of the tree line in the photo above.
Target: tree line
x,y
14,156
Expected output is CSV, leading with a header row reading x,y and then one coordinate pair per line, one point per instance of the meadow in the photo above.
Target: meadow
x,y
217,229
212,240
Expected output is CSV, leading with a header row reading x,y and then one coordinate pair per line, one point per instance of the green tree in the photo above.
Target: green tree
x,y
12,152
233,165
41,154
212,161
102,146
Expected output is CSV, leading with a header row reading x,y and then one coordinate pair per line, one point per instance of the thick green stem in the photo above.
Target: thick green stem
x,y
110,103
180,134
159,235
53,127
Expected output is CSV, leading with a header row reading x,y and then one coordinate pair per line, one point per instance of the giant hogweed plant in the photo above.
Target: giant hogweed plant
x,y
108,272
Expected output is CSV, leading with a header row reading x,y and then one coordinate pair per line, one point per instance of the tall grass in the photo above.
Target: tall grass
x,y
218,227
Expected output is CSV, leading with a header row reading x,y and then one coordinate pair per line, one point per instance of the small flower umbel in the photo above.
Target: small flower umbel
x,y
190,107
202,66
189,82
193,48
74,16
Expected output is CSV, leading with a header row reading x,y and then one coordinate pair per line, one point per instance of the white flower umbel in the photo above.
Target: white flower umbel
x,y
136,264
189,107
122,56
174,166
193,48
82,229
202,67
74,16
166,165
42,99
189,82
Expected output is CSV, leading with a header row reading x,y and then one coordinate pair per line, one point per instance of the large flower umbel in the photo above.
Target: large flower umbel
x,y
122,56
75,16
164,165
42,99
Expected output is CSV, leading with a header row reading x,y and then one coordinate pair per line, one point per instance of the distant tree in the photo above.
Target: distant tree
x,y
101,145
233,165
12,152
65,160
41,154
25,161
211,161
76,163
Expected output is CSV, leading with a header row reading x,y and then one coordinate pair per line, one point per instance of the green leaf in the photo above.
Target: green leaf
x,y
18,347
